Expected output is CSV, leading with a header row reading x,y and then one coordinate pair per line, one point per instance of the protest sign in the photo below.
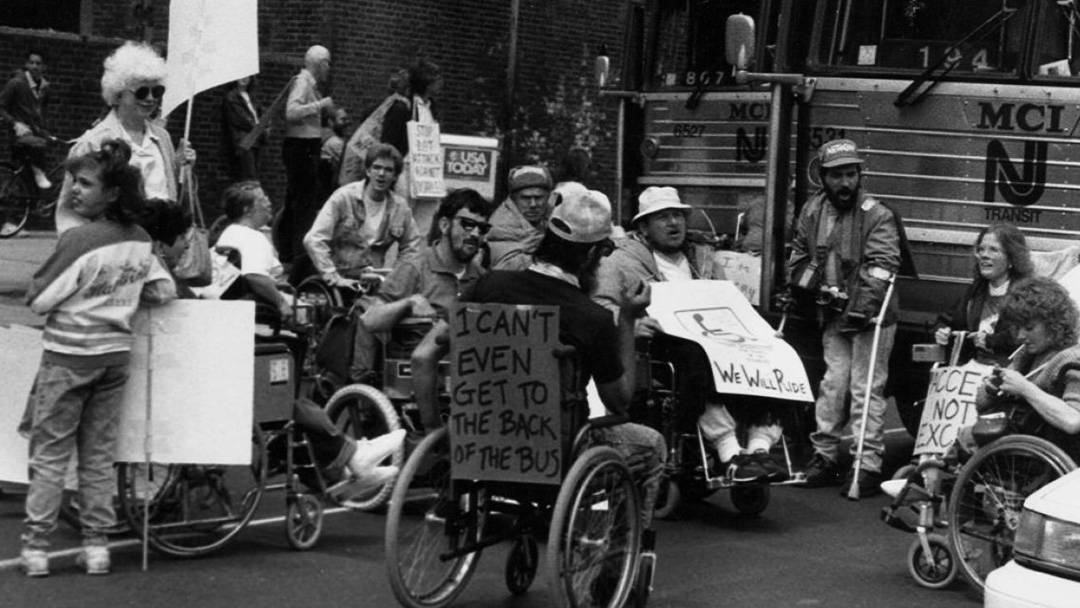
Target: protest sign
x,y
425,160
20,357
469,162
743,269
744,353
505,394
950,405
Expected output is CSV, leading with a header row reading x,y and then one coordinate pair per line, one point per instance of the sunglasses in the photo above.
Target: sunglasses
x,y
469,225
142,93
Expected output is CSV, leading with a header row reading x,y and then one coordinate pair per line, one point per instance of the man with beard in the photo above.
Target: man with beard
x,y
360,222
660,251
577,236
519,223
847,247
427,285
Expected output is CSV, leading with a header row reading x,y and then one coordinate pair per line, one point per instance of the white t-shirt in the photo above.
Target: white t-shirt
x,y
673,267
257,255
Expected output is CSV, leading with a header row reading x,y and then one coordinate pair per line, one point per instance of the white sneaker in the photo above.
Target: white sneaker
x,y
41,180
370,452
95,558
35,562
892,487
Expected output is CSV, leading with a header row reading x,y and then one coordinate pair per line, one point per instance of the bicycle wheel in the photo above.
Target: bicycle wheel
x,y
14,202
595,533
985,505
428,518
193,509
363,411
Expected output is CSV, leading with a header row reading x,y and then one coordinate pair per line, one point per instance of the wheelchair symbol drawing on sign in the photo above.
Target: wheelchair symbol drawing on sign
x,y
719,324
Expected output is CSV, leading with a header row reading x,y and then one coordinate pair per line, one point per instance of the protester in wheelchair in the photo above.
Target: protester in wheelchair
x,y
359,223
427,285
660,251
166,223
1002,260
248,209
1039,392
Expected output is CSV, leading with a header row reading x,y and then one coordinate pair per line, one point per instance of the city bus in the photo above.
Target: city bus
x,y
966,112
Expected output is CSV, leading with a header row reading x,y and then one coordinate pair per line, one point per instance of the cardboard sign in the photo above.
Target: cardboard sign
x,y
745,355
20,357
504,389
743,269
425,160
950,405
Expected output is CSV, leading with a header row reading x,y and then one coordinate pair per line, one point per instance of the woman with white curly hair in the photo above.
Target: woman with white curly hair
x,y
132,86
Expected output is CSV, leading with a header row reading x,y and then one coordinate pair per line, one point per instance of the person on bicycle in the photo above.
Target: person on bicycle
x,y
576,238
660,251
359,223
22,104
427,286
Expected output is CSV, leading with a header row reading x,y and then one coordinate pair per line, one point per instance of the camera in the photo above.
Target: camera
x,y
832,298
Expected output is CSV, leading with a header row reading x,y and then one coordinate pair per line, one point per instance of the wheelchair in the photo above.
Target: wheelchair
x,y
191,510
689,472
437,527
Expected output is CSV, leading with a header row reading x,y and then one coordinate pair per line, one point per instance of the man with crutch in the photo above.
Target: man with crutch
x,y
846,253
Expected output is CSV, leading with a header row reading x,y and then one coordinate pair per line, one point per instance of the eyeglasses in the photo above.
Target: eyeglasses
x,y
142,93
469,225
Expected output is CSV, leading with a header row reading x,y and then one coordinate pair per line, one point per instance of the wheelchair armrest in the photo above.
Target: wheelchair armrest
x,y
564,352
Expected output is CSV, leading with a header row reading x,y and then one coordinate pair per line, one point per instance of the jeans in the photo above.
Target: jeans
x,y
73,409
645,452
847,361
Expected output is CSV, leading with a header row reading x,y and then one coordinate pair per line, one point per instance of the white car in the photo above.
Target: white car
x,y
1045,569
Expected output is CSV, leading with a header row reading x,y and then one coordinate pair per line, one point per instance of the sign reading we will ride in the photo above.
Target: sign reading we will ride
x,y
950,405
504,389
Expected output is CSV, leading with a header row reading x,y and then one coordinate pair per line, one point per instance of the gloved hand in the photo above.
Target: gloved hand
x,y
784,300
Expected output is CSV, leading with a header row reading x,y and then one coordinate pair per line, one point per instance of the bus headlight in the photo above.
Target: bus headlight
x,y
650,147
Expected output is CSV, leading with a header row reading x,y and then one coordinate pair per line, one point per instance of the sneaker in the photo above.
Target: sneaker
x,y
95,558
744,468
892,487
775,472
35,562
869,483
820,473
370,452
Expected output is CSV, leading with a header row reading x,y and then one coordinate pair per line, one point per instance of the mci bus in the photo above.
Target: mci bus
x,y
966,112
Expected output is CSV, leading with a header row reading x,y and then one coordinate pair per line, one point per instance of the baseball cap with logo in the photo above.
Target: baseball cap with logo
x,y
529,176
839,152
583,217
658,198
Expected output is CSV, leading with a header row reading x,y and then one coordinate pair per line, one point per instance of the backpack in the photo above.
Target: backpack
x,y
367,135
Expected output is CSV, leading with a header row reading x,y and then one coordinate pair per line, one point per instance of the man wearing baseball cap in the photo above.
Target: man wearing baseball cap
x,y
659,250
519,223
846,249
576,237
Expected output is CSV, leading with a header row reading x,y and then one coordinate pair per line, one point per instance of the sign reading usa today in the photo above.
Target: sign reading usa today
x,y
469,162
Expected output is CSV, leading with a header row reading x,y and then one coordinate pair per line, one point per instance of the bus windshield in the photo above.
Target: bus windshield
x,y
689,50
968,36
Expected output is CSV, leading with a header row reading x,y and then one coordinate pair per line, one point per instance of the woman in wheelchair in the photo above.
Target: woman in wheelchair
x,y
1043,377
248,209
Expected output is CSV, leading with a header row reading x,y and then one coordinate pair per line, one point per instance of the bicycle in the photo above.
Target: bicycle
x,y
19,193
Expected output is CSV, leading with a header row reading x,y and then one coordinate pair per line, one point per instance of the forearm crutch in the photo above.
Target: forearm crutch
x,y
853,491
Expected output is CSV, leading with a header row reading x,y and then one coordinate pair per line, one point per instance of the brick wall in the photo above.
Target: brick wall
x,y
555,105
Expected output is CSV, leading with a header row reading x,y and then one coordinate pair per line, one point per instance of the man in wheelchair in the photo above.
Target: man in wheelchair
x,y
427,285
358,225
660,251
577,237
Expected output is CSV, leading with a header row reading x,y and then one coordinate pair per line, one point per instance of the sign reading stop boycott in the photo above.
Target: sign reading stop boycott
x,y
504,387
950,405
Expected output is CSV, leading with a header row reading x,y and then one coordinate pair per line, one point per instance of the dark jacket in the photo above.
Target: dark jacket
x,y
965,316
19,104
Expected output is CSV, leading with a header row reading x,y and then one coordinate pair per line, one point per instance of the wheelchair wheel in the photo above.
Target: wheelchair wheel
x,y
428,520
984,508
363,411
521,564
935,570
303,521
193,509
595,534
750,501
668,499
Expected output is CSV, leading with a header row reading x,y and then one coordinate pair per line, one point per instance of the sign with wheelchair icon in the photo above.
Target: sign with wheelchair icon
x,y
505,393
744,353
